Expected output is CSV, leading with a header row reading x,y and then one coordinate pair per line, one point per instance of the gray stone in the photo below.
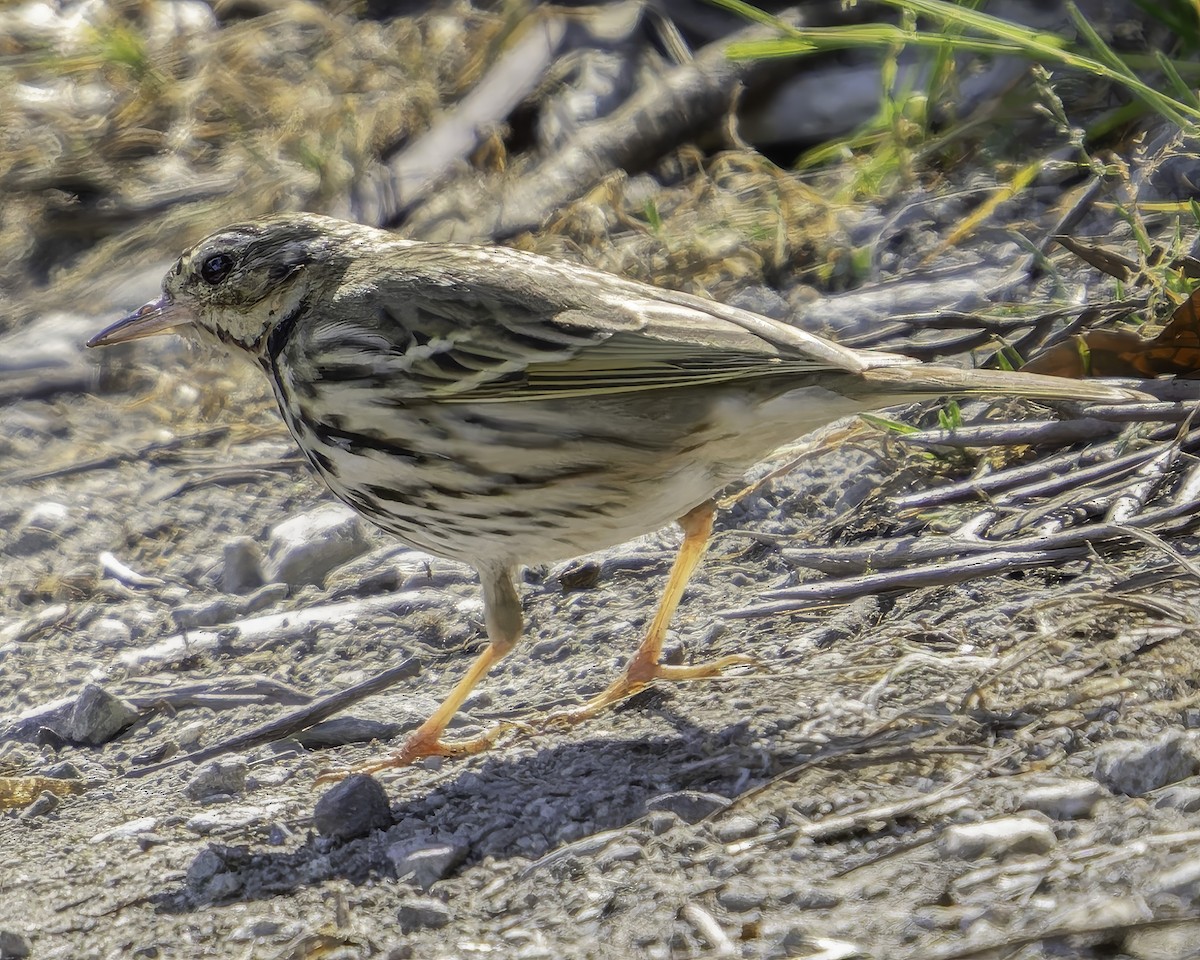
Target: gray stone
x,y
110,632
691,806
242,569
41,527
45,803
424,862
97,717
353,808
306,547
1183,797
995,838
1135,768
218,778
739,897
736,828
423,913
14,946
1066,800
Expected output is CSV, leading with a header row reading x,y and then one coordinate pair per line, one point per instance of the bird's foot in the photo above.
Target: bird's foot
x,y
424,744
637,676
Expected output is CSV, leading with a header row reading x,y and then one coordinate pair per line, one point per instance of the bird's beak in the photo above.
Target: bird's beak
x,y
157,316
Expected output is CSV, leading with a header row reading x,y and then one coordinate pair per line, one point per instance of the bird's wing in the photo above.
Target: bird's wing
x,y
438,331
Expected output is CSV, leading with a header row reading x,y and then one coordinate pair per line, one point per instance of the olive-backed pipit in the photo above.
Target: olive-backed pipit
x,y
500,408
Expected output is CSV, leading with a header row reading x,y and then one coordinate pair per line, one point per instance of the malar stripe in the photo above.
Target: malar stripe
x,y
278,337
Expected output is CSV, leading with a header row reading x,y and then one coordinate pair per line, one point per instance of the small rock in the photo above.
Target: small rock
x,y
109,633
42,526
191,737
1134,768
1184,797
995,838
691,806
218,778
46,802
1183,881
130,828
423,913
353,808
305,548
1174,942
254,929
14,946
242,571
424,862
740,897
97,717
736,828
210,875
1065,800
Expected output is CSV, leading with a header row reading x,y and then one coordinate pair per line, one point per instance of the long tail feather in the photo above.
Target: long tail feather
x,y
932,379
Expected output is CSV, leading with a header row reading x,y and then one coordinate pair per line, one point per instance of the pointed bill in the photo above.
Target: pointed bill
x,y
157,316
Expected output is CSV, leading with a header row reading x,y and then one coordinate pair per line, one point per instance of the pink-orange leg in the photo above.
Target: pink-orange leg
x,y
645,666
502,612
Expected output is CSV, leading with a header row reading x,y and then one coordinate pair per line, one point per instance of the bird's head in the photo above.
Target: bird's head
x,y
238,284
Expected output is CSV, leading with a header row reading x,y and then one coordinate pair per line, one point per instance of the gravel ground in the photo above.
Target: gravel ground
x,y
1005,767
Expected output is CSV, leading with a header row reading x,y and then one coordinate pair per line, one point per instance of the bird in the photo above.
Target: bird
x,y
503,408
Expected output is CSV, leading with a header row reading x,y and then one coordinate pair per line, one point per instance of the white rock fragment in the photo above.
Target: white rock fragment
x,y
109,632
1183,881
131,828
424,862
305,548
996,838
41,526
1067,800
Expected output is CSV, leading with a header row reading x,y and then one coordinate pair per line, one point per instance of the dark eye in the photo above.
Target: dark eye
x,y
216,268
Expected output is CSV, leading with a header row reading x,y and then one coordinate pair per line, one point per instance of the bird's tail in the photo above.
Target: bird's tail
x,y
936,380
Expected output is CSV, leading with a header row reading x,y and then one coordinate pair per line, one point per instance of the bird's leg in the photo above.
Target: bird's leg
x,y
645,666
502,615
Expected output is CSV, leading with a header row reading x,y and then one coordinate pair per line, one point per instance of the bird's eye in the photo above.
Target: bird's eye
x,y
216,268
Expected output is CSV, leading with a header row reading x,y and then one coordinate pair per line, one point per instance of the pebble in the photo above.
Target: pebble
x,y
1174,942
97,717
41,526
994,838
353,808
230,819
108,632
45,803
737,828
209,876
1183,881
242,570
218,779
740,897
691,806
131,828
423,863
306,547
1068,800
14,946
1135,767
1184,797
423,913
